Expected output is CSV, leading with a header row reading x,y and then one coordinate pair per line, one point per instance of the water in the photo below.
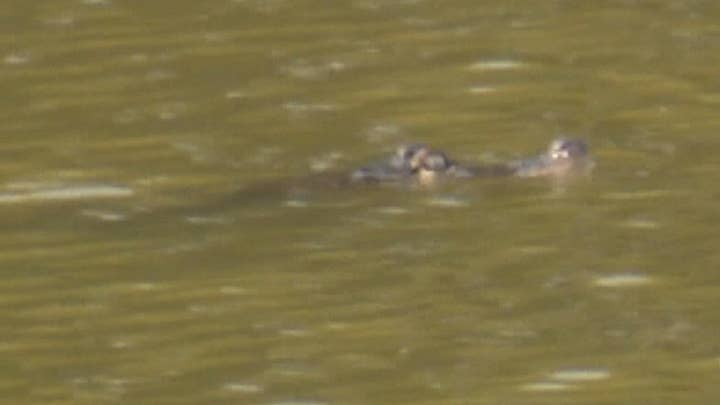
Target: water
x,y
151,252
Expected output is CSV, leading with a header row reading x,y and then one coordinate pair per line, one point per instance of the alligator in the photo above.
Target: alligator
x,y
418,165
424,165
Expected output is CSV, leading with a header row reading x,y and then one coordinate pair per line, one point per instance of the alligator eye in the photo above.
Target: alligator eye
x,y
407,152
411,152
417,159
436,161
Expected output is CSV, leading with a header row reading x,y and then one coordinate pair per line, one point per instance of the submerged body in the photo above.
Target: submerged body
x,y
418,165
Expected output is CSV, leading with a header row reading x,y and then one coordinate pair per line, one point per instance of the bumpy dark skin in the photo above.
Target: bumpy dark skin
x,y
421,164
397,168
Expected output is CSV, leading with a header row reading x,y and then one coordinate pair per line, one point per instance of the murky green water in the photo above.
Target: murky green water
x,y
151,254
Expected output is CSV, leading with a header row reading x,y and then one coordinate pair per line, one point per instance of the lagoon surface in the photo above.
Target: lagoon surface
x,y
151,252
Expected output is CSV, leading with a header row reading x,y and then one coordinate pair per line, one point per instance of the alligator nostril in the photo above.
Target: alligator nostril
x,y
564,148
